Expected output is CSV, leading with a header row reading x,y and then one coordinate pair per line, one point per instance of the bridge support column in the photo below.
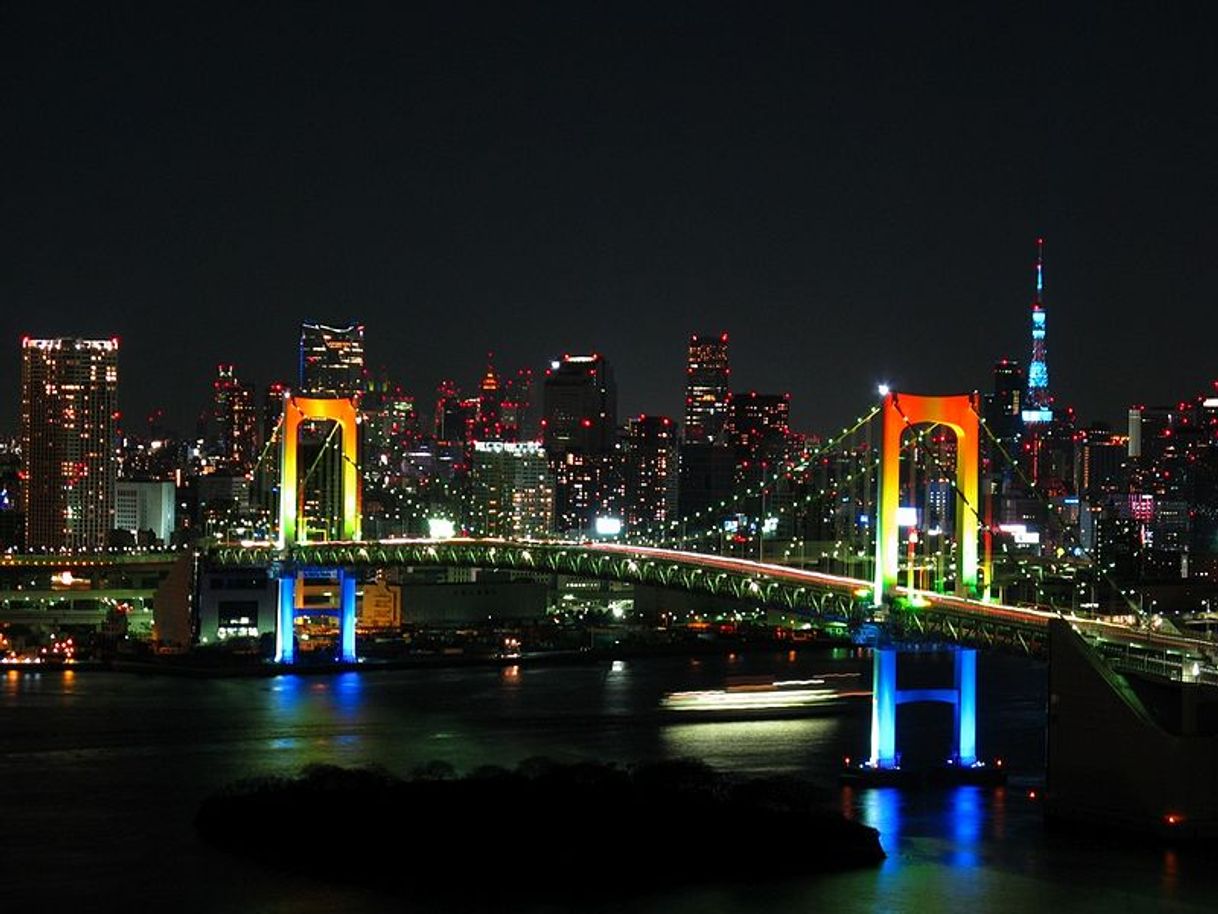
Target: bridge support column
x,y
285,630
883,707
885,697
346,617
966,707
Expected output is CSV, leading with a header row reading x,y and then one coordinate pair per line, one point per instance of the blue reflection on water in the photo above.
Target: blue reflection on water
x,y
286,694
966,812
957,817
881,809
348,693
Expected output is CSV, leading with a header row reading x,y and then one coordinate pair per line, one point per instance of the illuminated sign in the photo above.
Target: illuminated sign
x,y
907,517
1021,534
608,526
440,528
1034,416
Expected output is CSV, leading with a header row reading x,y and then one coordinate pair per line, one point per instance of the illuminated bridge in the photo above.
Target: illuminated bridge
x,y
816,598
887,610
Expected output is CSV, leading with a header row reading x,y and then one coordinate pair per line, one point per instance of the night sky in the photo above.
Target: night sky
x,y
854,194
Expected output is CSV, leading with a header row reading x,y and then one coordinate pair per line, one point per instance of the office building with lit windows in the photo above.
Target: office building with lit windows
x,y
579,399
236,420
707,388
651,471
69,408
331,360
513,490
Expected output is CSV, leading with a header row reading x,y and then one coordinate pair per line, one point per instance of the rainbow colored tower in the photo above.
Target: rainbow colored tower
x,y
901,412
341,411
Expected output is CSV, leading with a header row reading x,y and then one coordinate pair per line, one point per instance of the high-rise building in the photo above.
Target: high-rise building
x,y
708,473
1098,460
587,487
707,386
580,406
513,491
579,430
331,360
1039,407
519,417
488,415
141,505
1004,409
236,420
759,425
651,471
69,409
450,417
12,521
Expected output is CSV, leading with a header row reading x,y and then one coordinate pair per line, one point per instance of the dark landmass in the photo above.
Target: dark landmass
x,y
543,830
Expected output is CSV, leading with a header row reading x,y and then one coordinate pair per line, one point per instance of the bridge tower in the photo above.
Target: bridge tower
x,y
341,411
902,411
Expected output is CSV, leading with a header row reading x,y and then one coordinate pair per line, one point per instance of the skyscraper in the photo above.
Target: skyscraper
x,y
707,385
651,471
760,426
236,420
513,491
69,407
1039,407
579,428
1005,407
580,406
331,360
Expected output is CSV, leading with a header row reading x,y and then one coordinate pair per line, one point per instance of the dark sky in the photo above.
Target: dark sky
x,y
852,190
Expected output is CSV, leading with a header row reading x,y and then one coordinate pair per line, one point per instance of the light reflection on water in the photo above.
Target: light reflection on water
x,y
156,746
756,745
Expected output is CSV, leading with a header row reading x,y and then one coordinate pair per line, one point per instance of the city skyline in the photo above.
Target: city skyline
x,y
537,185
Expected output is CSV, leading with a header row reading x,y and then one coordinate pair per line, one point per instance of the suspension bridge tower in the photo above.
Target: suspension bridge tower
x,y
342,413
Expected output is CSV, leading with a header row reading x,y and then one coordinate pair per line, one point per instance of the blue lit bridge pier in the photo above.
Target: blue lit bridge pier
x,y
292,604
886,697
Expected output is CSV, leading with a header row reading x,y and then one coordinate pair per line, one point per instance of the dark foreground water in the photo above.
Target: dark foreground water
x,y
101,775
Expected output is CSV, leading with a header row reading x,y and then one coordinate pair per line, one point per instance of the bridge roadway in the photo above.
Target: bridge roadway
x,y
821,598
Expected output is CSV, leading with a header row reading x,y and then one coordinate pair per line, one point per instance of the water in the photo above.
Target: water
x,y
101,775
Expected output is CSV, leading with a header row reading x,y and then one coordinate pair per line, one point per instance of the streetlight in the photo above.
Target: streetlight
x,y
883,389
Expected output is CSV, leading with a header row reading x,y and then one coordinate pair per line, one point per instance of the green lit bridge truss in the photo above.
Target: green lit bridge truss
x,y
804,594
821,600
814,597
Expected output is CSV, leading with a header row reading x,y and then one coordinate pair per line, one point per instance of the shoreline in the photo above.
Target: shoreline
x,y
261,669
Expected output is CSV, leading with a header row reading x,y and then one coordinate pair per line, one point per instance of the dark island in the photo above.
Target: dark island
x,y
542,829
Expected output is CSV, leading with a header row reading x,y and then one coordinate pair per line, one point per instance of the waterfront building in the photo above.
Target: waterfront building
x,y
69,409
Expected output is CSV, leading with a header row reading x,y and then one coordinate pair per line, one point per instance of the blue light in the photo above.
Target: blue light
x,y
285,631
1032,416
966,706
885,697
346,580
1038,374
883,708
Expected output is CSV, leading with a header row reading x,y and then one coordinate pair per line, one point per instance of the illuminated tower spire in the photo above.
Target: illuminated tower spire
x,y
1039,400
